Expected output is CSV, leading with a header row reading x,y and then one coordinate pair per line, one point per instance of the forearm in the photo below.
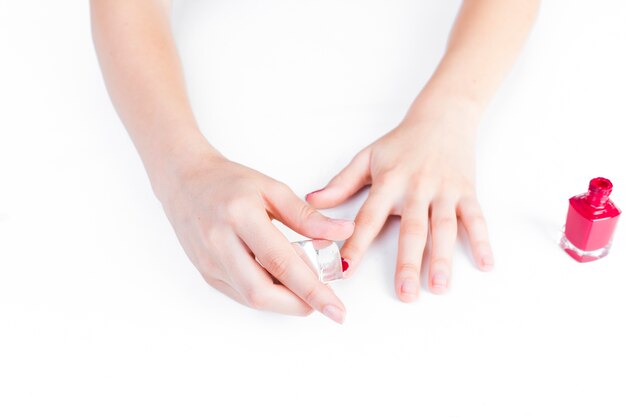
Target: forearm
x,y
484,42
144,78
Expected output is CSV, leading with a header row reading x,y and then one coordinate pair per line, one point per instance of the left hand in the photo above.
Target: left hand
x,y
423,171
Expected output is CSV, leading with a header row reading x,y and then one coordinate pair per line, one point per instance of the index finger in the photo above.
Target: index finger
x,y
369,221
279,258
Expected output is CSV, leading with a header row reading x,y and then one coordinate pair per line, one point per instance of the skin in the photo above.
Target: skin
x,y
423,170
221,211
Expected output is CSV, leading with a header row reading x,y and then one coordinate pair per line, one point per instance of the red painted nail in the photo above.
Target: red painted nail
x,y
344,265
313,192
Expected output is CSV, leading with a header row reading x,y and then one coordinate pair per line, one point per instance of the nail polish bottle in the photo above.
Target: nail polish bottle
x,y
591,221
323,257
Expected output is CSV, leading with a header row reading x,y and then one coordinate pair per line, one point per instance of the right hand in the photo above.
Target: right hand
x,y
221,212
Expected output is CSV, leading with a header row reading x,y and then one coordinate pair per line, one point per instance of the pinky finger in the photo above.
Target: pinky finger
x,y
226,289
267,296
257,288
471,216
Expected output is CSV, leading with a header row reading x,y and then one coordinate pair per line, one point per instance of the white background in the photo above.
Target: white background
x,y
101,313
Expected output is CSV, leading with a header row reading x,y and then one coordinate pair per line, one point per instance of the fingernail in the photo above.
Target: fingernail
x,y
334,313
487,261
440,280
342,221
344,265
348,267
409,286
311,193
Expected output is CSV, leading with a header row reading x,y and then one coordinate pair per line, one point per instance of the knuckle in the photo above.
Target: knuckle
x,y
255,298
310,294
440,261
352,250
366,219
467,190
305,212
415,228
237,207
306,311
481,246
475,222
445,222
417,181
422,189
421,180
467,187
389,179
408,270
208,268
279,187
211,237
276,264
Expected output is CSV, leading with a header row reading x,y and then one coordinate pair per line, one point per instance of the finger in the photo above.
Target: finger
x,y
227,290
369,221
351,179
472,218
289,209
257,288
411,243
443,225
243,279
280,259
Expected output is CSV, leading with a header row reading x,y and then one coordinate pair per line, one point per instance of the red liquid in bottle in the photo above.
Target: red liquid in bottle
x,y
591,221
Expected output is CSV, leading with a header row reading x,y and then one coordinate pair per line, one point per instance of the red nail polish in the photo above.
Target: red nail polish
x,y
344,265
311,193
591,221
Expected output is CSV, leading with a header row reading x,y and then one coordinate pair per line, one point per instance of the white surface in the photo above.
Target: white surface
x,y
101,313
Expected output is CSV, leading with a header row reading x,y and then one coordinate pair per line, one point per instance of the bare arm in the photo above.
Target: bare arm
x,y
483,44
143,74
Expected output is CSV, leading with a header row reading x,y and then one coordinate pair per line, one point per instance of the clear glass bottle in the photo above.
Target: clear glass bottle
x,y
323,257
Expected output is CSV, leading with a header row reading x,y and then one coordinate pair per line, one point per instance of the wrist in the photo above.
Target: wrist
x,y
169,164
447,107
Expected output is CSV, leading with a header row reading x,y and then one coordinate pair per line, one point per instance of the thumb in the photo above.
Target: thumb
x,y
296,214
351,179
